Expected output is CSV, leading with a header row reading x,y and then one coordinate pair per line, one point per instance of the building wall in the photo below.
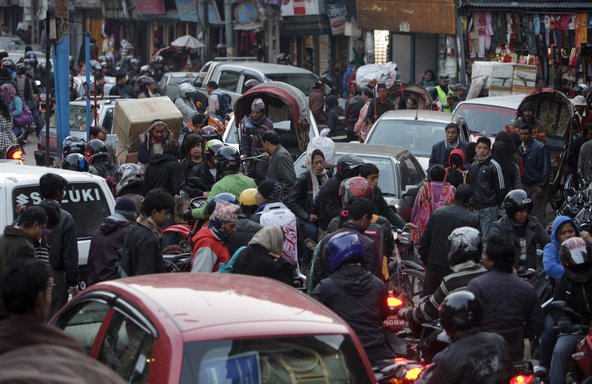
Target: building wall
x,y
426,54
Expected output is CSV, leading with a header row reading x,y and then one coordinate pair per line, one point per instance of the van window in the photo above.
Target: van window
x,y
228,80
302,81
86,202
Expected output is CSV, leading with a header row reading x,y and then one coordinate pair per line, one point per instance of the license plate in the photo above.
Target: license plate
x,y
393,321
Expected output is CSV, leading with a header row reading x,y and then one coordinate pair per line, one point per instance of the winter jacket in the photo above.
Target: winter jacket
x,y
203,172
328,201
103,255
536,163
486,182
22,333
146,146
14,243
299,199
208,252
281,168
474,357
316,103
585,162
188,165
63,248
578,297
256,261
234,183
164,171
143,247
359,298
105,168
186,107
245,230
319,267
438,155
551,261
535,235
510,308
352,111
434,242
381,108
251,133
336,122
382,208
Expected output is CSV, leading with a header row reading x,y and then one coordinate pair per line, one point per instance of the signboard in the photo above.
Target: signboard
x,y
115,9
300,7
187,10
150,7
88,4
336,14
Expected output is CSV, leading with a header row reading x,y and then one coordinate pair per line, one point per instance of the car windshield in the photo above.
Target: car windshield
x,y
486,119
79,200
77,119
302,81
324,358
180,79
415,135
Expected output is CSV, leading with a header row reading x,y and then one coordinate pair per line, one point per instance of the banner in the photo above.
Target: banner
x,y
300,7
336,14
187,10
150,7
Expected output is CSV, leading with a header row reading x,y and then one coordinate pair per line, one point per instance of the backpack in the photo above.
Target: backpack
x,y
224,104
229,265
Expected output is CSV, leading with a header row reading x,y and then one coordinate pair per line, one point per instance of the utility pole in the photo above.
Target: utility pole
x,y
203,20
228,28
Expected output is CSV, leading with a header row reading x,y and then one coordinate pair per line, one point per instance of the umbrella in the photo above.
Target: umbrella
x,y
187,41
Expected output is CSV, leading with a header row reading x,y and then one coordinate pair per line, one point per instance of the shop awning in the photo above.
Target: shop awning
x,y
305,25
546,6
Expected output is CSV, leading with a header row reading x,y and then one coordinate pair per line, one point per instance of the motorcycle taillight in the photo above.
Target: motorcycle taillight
x,y
522,379
14,154
394,302
413,373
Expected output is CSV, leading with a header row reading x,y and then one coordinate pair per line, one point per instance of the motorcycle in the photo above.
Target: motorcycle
x,y
184,231
13,153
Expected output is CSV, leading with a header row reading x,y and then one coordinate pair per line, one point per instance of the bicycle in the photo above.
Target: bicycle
x,y
406,276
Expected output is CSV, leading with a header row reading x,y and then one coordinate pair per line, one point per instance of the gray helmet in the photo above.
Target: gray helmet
x,y
185,88
463,243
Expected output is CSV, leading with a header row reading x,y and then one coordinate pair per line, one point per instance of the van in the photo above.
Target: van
x,y
88,199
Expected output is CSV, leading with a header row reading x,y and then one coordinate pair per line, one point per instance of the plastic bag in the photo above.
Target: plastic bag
x,y
382,73
324,143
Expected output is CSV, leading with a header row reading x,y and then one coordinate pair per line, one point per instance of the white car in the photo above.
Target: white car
x,y
88,199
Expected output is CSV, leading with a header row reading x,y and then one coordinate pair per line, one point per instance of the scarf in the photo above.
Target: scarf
x,y
148,223
479,161
318,180
271,238
453,145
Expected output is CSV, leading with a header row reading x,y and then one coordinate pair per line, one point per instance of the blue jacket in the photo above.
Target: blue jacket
x,y
537,164
551,261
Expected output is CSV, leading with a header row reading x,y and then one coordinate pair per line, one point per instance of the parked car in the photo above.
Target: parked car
x,y
213,328
104,118
488,115
415,130
169,83
88,199
400,172
231,76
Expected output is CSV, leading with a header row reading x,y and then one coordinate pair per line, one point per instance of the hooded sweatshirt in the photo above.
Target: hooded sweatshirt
x,y
551,261
455,176
359,298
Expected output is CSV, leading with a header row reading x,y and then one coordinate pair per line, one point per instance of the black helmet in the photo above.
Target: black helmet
x,y
224,196
75,162
96,150
250,84
73,144
128,175
460,311
576,259
227,159
516,201
209,133
347,164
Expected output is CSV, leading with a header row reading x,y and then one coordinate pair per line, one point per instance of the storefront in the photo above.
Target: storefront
x,y
556,37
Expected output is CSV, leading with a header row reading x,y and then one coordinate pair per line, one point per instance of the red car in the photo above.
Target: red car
x,y
213,328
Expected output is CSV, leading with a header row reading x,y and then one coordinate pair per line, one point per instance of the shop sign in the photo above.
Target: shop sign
x,y
115,9
246,16
150,7
88,4
187,10
336,14
300,7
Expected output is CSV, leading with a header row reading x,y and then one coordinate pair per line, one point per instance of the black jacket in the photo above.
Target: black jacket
x,y
256,261
203,172
486,187
144,253
336,122
510,308
352,111
578,297
474,357
164,171
328,201
536,163
535,234
103,255
63,247
245,230
434,242
105,168
359,298
188,165
438,155
300,198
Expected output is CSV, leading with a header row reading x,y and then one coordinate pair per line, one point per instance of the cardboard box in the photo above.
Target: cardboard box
x,y
133,117
524,78
505,78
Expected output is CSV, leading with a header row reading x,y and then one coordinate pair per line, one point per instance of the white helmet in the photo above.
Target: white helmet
x,y
185,88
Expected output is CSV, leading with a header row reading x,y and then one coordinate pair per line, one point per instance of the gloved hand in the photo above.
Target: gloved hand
x,y
564,325
188,215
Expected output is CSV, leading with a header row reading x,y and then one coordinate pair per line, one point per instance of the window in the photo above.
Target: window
x,y
127,349
83,322
415,135
302,81
228,80
248,77
415,176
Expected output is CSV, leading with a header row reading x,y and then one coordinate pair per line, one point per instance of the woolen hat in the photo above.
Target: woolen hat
x,y
126,208
225,211
270,189
258,105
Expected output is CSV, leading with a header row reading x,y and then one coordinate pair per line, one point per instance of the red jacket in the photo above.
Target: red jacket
x,y
206,245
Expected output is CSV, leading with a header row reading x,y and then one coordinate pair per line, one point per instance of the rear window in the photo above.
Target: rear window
x,y
302,81
86,203
486,119
314,359
415,135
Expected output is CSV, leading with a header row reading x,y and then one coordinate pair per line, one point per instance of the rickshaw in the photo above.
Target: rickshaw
x,y
399,93
555,111
286,106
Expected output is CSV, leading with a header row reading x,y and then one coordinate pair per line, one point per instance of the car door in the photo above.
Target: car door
x,y
229,80
412,175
